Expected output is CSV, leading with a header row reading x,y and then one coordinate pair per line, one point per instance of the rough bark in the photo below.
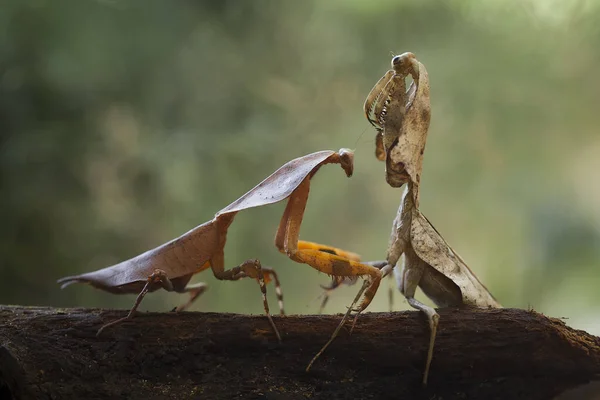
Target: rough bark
x,y
479,354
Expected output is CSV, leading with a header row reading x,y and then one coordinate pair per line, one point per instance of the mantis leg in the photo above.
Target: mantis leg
x,y
250,268
349,281
412,272
195,291
339,327
325,295
287,241
434,319
374,98
337,281
391,288
158,277
385,270
270,274
322,258
305,245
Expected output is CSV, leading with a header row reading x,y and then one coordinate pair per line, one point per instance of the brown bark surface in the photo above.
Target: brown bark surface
x,y
479,354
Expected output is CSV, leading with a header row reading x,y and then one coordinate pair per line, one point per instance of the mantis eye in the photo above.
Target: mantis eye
x,y
403,63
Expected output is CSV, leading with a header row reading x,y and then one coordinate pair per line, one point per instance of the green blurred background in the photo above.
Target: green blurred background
x,y
126,123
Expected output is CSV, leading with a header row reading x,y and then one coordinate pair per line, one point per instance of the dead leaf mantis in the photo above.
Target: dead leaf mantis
x,y
401,118
171,265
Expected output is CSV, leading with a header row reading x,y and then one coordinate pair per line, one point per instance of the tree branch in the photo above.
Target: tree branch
x,y
487,354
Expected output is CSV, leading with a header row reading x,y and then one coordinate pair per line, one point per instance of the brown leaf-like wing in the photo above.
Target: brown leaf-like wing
x,y
178,258
431,247
280,184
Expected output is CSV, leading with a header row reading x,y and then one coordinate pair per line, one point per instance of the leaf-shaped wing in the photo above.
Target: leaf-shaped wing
x,y
431,247
179,257
280,184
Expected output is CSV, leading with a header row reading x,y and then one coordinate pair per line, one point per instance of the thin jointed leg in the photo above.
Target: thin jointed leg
x,y
349,280
195,291
337,329
325,296
385,270
270,274
249,268
391,289
336,282
412,272
158,277
434,319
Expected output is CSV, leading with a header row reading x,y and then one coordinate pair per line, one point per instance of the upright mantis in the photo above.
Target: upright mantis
x,y
401,118
171,265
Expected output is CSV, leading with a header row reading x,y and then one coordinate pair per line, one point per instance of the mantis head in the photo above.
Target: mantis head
x,y
347,161
401,118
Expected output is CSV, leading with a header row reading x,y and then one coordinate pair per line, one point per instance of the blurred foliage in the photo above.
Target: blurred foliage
x,y
126,123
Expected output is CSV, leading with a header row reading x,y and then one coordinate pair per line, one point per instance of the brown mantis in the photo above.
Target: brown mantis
x,y
171,265
401,118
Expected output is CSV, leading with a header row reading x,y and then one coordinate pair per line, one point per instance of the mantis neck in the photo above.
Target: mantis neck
x,y
410,197
407,205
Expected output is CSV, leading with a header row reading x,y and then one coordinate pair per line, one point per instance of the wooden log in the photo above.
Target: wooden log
x,y
479,354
